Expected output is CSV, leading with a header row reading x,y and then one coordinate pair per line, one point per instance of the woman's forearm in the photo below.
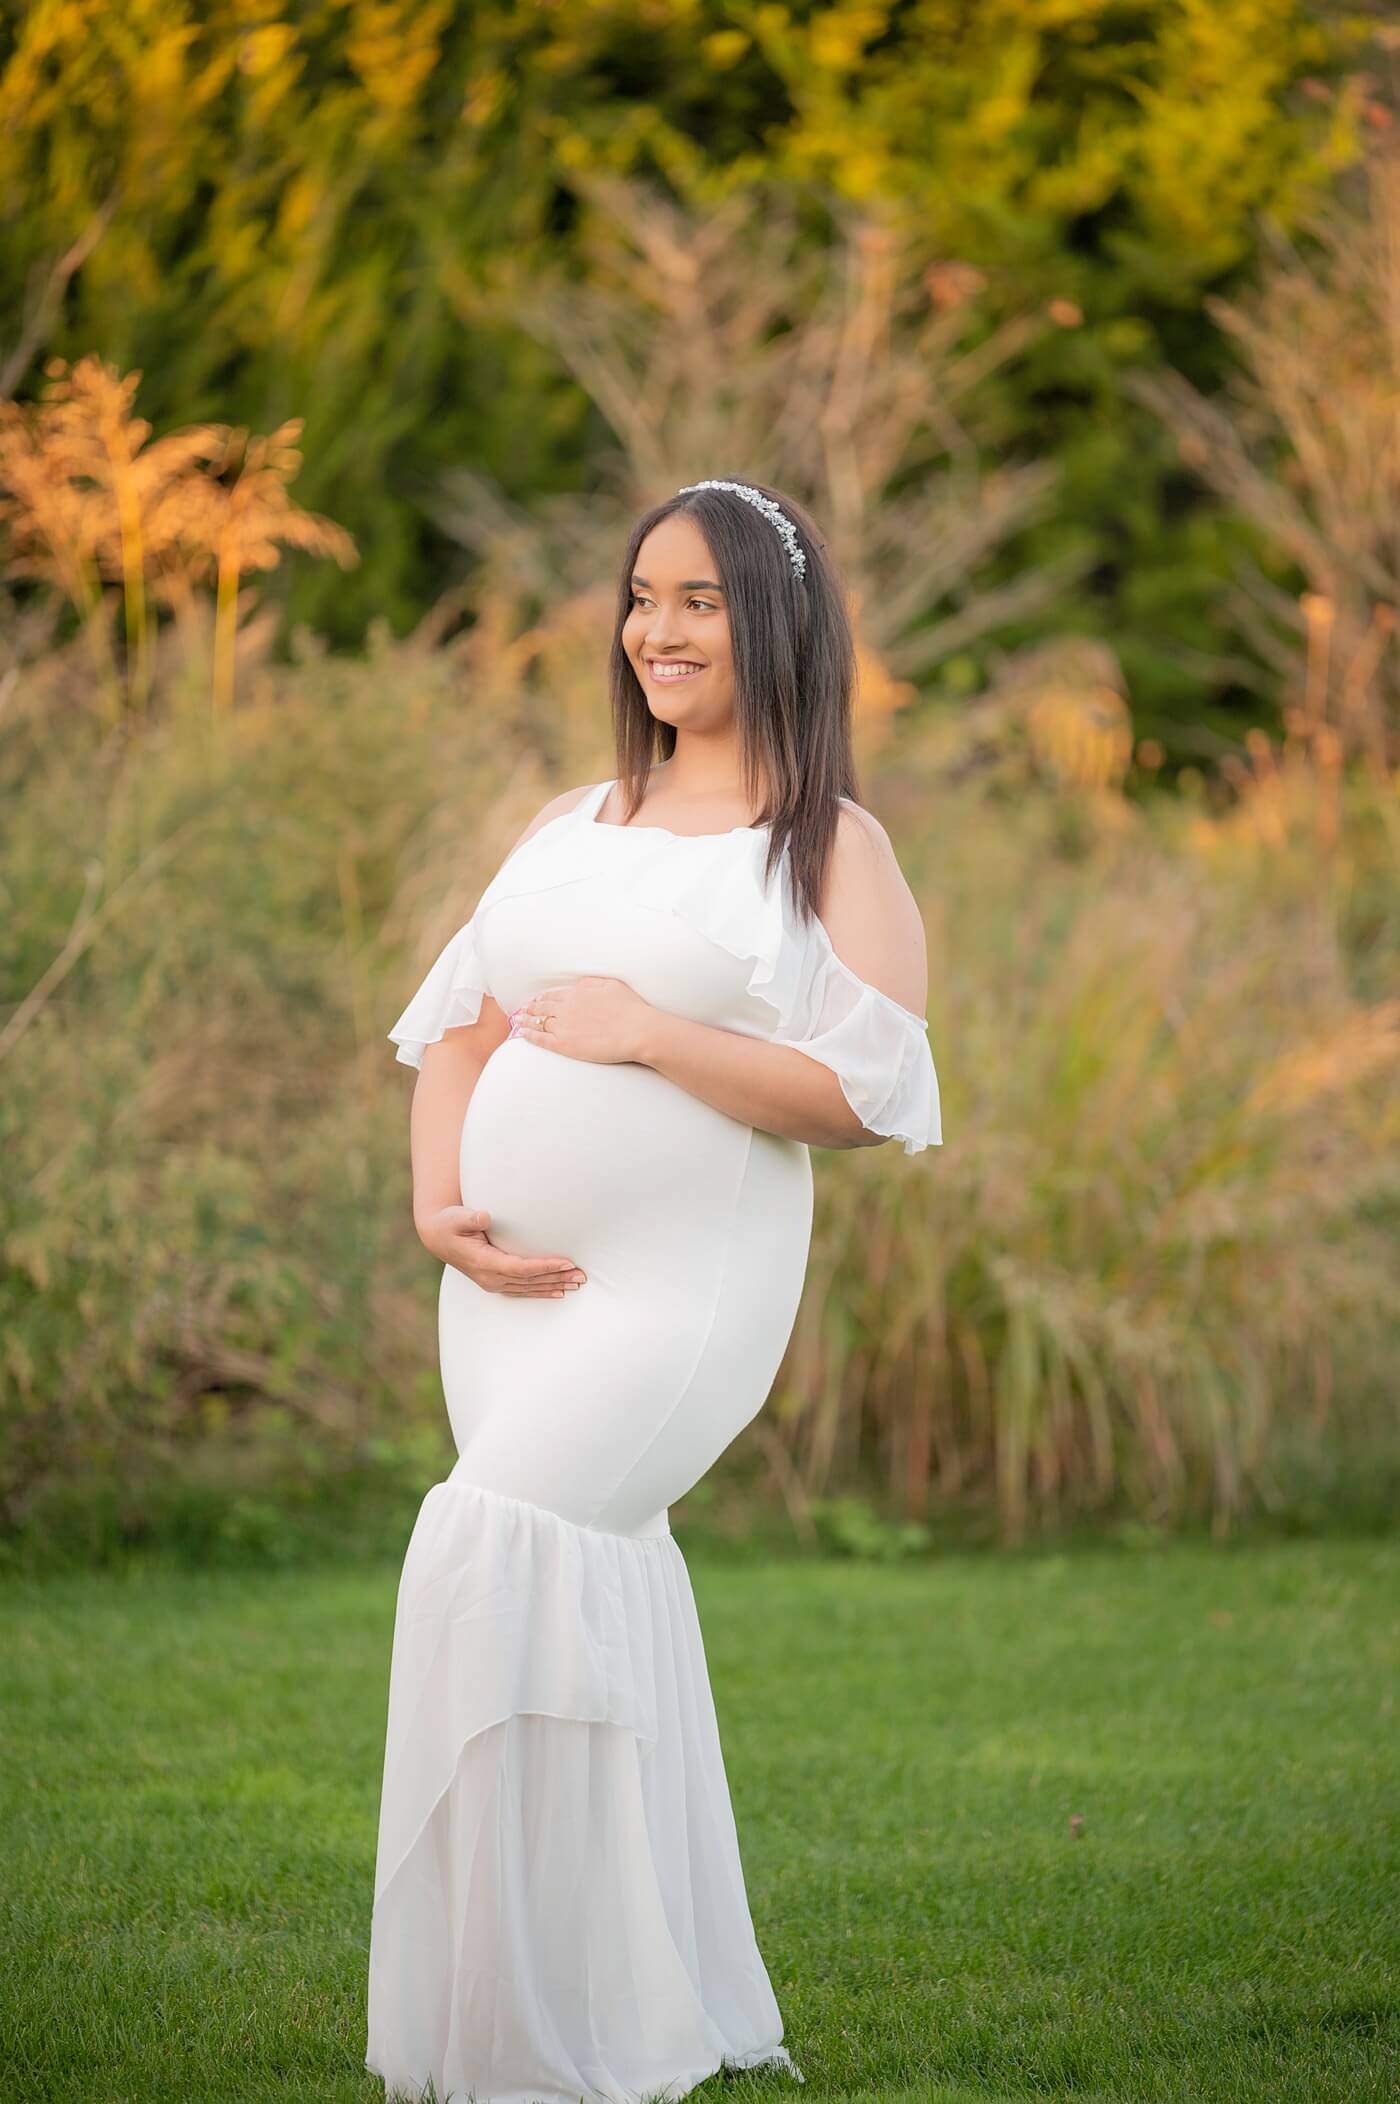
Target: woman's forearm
x,y
441,1094
774,1087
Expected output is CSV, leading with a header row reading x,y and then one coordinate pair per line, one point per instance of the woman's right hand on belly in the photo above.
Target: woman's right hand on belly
x,y
456,1235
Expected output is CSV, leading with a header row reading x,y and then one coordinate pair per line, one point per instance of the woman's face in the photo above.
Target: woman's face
x,y
680,618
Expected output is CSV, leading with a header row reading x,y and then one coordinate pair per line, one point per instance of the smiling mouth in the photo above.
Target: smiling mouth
x,y
673,668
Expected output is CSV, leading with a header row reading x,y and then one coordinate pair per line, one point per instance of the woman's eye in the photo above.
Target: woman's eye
x,y
706,605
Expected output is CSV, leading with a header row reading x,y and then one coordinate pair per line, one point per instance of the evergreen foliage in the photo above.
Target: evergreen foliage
x,y
329,217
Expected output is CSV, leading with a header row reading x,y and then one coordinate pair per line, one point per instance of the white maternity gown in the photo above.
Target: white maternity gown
x,y
559,1908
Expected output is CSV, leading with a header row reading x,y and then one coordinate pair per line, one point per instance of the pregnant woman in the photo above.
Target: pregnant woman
x,y
677,981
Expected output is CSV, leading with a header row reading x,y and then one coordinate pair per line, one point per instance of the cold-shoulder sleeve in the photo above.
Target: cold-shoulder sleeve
x,y
878,1050
451,995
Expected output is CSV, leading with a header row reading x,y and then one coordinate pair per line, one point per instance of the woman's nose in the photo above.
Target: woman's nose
x,y
665,631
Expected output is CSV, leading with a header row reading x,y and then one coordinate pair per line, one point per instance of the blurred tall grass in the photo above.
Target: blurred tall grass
x,y
1156,1251
1151,1276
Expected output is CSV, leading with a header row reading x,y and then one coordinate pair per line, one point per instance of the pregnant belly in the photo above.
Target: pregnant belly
x,y
595,1162
693,1230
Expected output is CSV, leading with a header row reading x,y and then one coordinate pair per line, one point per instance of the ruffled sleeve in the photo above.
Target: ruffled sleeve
x,y
877,1049
450,996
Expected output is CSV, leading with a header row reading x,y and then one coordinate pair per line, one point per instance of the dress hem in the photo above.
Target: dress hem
x,y
767,2056
540,1664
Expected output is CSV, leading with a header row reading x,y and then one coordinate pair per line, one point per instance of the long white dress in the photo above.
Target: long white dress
x,y
559,1907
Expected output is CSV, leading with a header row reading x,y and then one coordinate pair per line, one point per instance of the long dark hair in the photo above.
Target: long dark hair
x,y
794,672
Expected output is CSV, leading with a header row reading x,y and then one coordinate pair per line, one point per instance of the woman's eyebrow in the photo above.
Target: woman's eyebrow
x,y
687,584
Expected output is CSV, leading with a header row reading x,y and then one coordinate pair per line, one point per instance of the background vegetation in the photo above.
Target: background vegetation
x,y
1075,324
349,216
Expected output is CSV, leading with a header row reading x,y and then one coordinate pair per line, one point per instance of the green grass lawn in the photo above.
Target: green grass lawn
x,y
1091,1825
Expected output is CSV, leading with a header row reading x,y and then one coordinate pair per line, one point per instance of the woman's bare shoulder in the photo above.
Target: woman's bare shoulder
x,y
555,808
855,822
869,911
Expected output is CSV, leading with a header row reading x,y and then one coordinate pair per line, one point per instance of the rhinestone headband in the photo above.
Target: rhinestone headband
x,y
797,555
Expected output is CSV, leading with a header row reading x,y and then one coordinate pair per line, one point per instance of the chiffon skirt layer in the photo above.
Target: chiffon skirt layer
x,y
560,1910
